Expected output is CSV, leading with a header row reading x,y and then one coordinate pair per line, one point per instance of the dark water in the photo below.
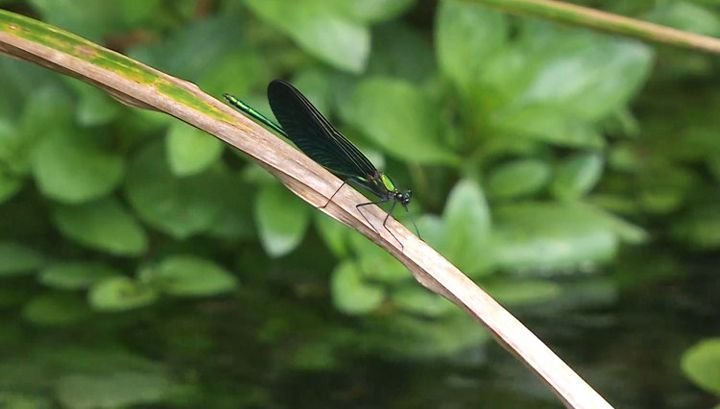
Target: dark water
x,y
243,352
629,351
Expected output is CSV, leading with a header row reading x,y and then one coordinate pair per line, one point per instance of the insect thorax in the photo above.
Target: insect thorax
x,y
387,183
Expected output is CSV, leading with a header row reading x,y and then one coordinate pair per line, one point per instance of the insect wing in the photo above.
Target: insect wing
x,y
314,135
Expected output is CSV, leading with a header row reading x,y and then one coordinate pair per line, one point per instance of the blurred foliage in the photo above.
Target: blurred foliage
x,y
701,363
536,153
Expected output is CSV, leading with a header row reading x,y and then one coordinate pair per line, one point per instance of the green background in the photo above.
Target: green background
x,y
573,175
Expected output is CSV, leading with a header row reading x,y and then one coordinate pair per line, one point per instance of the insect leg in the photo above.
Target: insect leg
x,y
386,217
333,195
367,204
385,223
412,219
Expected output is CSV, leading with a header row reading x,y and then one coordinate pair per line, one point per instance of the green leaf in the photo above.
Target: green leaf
x,y
699,227
119,294
235,220
577,175
418,300
400,118
103,225
20,400
239,70
333,233
551,238
351,293
95,20
314,356
664,189
701,363
625,230
191,150
16,259
549,84
281,219
19,80
321,28
98,358
546,124
466,34
376,10
95,107
317,88
180,207
466,206
10,146
14,295
423,339
49,111
466,228
56,308
72,168
376,264
9,185
9,140
687,16
189,276
117,390
400,51
75,275
518,178
525,292
586,75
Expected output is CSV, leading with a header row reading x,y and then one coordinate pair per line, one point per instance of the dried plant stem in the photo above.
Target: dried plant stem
x,y
613,23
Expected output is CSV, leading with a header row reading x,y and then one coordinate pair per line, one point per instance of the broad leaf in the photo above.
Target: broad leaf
x,y
75,275
401,119
577,175
117,390
418,300
466,35
518,178
95,106
374,263
56,308
189,276
351,293
190,150
466,226
321,28
180,207
119,294
701,363
9,185
72,168
523,292
281,218
16,259
375,10
551,238
103,225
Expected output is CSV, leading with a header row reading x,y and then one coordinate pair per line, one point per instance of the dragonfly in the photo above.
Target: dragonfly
x,y
310,131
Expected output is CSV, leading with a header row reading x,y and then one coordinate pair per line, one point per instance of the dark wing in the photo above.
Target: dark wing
x,y
314,135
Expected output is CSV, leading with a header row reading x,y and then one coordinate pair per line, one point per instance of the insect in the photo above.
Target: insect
x,y
307,128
